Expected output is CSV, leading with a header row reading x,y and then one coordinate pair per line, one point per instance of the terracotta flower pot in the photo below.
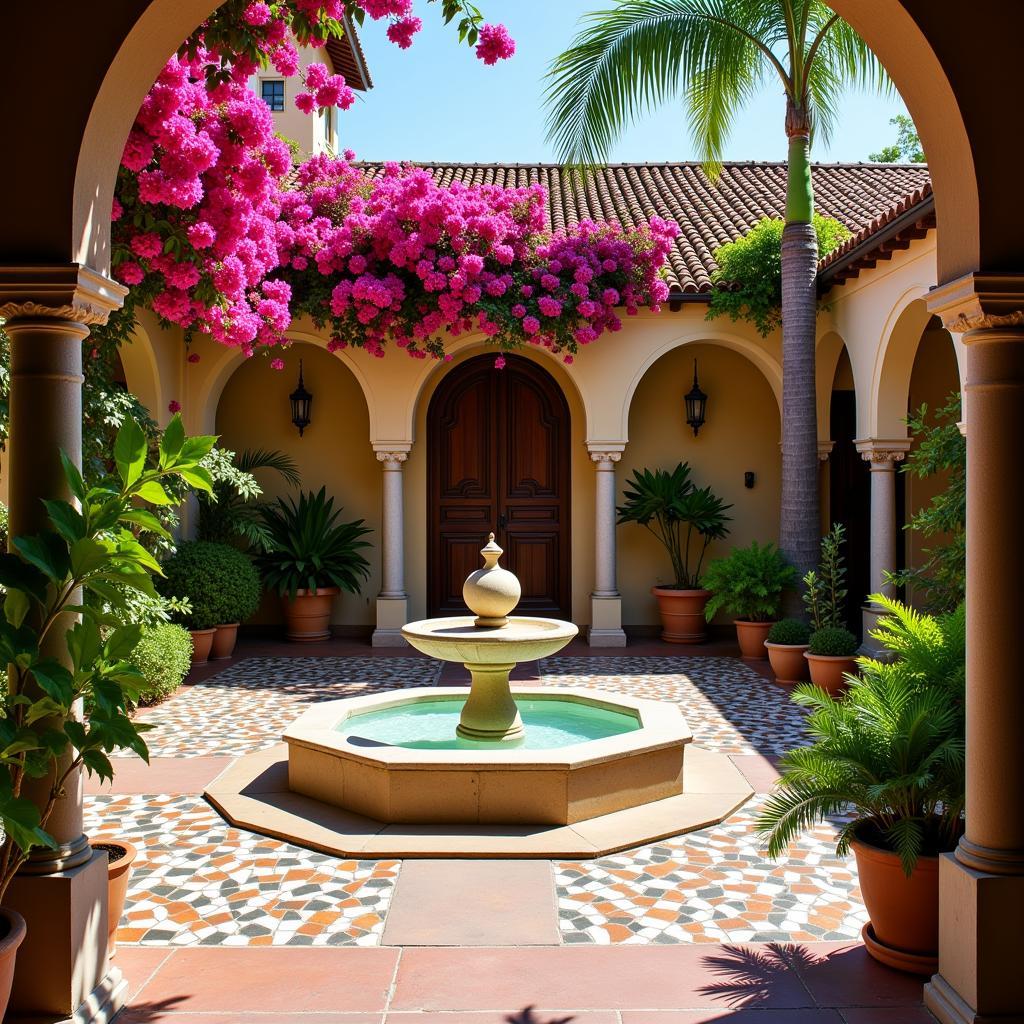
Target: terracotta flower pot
x,y
750,636
120,857
308,614
202,641
224,639
12,935
827,671
788,662
682,614
904,928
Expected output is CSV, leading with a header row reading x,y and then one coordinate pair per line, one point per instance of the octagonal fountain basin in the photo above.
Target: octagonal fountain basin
x,y
395,757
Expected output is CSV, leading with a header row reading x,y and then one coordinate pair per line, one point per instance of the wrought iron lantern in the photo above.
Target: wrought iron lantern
x,y
302,404
696,404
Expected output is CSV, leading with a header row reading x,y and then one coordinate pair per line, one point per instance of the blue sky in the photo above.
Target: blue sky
x,y
436,101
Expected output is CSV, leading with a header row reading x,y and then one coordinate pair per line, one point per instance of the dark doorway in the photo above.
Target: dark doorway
x,y
499,459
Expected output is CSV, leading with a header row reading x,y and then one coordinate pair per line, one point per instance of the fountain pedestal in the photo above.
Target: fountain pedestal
x,y
490,713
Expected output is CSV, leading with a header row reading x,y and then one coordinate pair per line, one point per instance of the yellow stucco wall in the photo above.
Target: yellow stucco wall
x,y
741,433
335,451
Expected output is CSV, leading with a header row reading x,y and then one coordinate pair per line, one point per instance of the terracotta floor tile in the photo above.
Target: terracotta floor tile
x,y
888,1015
749,1016
156,1015
139,963
161,775
846,976
539,1016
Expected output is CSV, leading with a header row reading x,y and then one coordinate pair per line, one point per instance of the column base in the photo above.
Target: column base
x,y
392,615
62,972
979,978
606,622
606,637
870,647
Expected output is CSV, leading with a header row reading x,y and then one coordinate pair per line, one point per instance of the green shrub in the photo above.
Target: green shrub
x,y
163,655
221,584
825,587
833,642
4,515
749,582
794,632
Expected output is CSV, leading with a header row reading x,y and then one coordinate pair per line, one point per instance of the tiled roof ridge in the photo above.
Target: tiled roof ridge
x,y
546,165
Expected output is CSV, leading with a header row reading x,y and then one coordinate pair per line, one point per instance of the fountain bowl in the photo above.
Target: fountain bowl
x,y
458,638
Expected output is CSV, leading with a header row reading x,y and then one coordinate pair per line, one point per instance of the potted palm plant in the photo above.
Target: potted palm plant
x,y
832,649
748,583
685,519
889,754
311,558
786,643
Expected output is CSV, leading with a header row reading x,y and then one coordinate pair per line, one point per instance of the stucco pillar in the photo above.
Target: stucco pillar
x,y
392,601
825,484
62,968
605,601
982,885
883,456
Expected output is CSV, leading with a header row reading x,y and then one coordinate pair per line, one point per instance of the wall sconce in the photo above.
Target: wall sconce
x,y
302,404
696,404
749,479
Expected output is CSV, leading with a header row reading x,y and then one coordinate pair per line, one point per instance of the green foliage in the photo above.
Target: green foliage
x,y
939,447
832,642
794,632
92,546
4,517
309,548
231,513
906,149
163,656
749,582
748,281
890,750
666,502
825,588
219,581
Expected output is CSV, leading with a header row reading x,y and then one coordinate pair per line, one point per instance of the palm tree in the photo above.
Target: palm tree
x,y
715,54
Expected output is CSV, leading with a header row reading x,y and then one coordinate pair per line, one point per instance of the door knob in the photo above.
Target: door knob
x,y
502,521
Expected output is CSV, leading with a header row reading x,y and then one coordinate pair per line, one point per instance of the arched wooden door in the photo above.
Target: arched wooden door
x,y
498,459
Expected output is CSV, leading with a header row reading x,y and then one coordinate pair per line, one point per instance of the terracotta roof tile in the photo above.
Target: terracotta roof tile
x,y
864,197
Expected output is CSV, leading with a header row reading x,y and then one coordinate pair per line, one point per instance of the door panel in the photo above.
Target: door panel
x,y
499,459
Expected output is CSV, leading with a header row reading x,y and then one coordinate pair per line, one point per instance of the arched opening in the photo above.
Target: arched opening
x,y
740,436
333,452
499,458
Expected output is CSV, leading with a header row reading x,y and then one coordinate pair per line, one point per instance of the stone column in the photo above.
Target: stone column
x,y
882,456
62,968
981,900
605,601
392,601
824,484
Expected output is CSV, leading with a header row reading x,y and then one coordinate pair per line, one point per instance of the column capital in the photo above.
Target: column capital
x,y
883,453
392,460
825,450
979,301
605,451
605,458
72,292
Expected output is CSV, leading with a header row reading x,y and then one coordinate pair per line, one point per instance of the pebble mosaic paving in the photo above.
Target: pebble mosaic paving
x,y
248,706
729,707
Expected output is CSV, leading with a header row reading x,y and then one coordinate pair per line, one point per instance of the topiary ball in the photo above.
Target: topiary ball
x,y
163,655
833,642
220,582
792,632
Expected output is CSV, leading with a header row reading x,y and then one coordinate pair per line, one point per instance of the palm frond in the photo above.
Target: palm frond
x,y
263,458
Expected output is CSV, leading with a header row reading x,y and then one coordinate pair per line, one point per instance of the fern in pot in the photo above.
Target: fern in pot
x,y
685,519
832,648
748,584
310,558
888,754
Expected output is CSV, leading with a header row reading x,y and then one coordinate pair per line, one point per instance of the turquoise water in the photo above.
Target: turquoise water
x,y
430,725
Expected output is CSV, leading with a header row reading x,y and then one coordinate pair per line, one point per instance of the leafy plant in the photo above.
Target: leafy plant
x,y
825,588
907,147
939,447
792,632
231,513
748,281
309,548
890,751
832,642
667,503
163,656
749,582
91,546
219,582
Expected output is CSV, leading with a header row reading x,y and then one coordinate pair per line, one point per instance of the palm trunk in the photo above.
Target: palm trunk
x,y
799,531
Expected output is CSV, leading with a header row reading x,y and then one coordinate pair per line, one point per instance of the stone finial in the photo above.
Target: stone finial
x,y
491,593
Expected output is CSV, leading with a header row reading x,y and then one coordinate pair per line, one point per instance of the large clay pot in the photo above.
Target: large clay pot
x,y
120,857
308,614
828,671
904,928
224,639
751,636
788,662
682,614
202,641
12,935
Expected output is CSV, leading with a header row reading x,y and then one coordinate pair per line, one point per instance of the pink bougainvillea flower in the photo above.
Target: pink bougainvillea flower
x,y
495,44
174,406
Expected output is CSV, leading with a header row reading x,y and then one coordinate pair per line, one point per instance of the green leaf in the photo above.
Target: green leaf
x,y
195,449
88,556
47,552
55,681
172,440
74,477
16,574
154,493
145,519
122,642
66,520
198,478
16,606
130,451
